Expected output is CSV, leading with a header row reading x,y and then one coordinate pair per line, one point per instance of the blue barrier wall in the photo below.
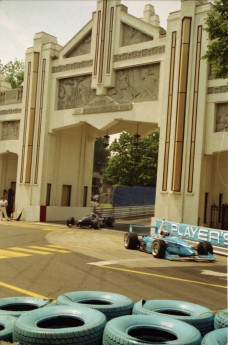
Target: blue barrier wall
x,y
196,233
133,196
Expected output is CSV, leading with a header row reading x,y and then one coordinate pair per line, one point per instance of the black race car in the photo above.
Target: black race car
x,y
94,220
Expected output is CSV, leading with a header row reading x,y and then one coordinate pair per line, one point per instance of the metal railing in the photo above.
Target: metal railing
x,y
126,211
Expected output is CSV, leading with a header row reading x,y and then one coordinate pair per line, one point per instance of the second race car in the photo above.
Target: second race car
x,y
94,220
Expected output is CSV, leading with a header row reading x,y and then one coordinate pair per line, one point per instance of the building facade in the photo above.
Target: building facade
x,y
118,73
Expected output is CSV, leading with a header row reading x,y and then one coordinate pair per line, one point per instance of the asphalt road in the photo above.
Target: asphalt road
x,y
47,260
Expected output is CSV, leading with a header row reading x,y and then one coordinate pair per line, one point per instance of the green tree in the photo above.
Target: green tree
x,y
13,72
101,155
217,28
132,165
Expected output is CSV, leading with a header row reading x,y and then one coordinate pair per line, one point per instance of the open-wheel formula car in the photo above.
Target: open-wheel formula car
x,y
165,246
94,220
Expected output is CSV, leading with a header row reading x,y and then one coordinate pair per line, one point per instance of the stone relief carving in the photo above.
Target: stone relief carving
x,y
217,89
102,104
10,130
136,84
221,117
133,36
84,47
75,92
10,111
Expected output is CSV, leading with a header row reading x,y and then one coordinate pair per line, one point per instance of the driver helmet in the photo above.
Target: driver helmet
x,y
165,233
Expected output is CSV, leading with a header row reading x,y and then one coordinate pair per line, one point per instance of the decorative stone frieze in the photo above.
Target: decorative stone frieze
x,y
10,130
102,104
72,66
10,111
139,53
217,89
221,117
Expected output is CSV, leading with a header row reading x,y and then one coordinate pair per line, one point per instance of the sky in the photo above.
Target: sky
x,y
21,19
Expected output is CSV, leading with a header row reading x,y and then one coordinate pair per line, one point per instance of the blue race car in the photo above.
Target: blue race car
x,y
165,246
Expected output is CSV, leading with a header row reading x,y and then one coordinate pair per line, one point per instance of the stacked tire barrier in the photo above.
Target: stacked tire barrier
x,y
105,318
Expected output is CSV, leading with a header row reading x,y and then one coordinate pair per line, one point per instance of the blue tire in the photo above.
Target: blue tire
x,y
216,337
111,304
60,325
145,329
221,319
6,327
16,306
200,317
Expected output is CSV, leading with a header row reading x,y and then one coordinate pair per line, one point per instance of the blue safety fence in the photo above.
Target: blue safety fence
x,y
133,196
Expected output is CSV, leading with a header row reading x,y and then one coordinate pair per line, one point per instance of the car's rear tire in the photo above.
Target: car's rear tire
x,y
205,247
158,249
131,240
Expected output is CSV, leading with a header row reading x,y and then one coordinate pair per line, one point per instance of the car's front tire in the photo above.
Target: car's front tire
x,y
158,249
205,247
70,222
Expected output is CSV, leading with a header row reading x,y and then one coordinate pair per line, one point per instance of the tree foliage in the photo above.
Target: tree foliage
x,y
132,165
13,72
101,155
217,28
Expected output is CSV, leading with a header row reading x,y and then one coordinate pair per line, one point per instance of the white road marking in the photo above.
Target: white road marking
x,y
213,273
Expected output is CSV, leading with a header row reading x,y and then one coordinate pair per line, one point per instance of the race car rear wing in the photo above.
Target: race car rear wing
x,y
143,230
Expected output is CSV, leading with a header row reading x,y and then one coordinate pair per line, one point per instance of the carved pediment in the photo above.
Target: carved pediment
x,y
83,47
131,35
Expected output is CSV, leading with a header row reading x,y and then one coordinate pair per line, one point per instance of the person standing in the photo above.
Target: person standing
x,y
3,205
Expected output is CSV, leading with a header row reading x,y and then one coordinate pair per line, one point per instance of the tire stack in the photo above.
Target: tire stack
x,y
105,318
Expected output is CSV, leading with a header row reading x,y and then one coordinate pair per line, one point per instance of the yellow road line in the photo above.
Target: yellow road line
x,y
55,246
26,292
162,276
50,249
12,254
53,228
4,257
34,226
27,250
